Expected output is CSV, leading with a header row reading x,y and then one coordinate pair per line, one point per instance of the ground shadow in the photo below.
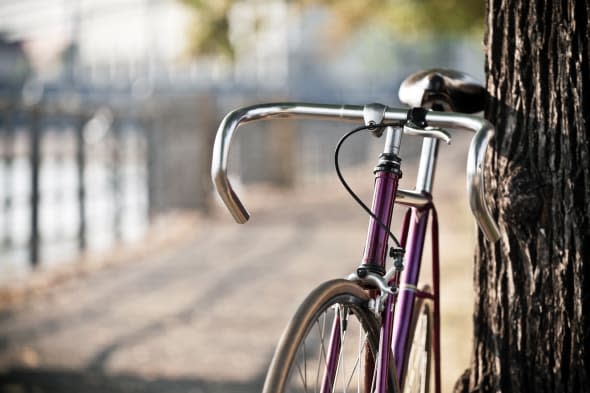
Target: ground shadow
x,y
21,380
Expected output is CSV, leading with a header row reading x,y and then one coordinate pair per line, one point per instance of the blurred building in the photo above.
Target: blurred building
x,y
106,40
119,42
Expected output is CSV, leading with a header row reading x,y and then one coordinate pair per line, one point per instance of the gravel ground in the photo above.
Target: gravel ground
x,y
202,312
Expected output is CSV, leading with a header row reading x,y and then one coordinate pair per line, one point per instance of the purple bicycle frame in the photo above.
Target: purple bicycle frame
x,y
396,320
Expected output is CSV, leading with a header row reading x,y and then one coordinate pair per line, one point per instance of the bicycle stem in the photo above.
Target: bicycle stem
x,y
484,132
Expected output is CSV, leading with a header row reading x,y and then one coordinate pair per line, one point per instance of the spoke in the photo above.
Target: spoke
x,y
417,375
361,349
302,377
341,364
355,365
321,331
374,379
423,374
304,367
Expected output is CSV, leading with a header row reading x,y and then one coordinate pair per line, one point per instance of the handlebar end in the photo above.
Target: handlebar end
x,y
230,198
219,168
491,232
240,214
475,184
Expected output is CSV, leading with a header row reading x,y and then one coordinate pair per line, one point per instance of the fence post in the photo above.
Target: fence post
x,y
8,120
35,161
80,173
116,174
150,135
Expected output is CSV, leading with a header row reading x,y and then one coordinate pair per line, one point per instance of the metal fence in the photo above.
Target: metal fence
x,y
85,172
73,177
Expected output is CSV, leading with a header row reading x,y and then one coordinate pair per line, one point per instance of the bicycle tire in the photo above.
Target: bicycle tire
x,y
287,373
419,357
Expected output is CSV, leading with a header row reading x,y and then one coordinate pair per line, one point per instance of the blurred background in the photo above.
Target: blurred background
x,y
119,269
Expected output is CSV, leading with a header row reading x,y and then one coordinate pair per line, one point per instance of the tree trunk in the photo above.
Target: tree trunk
x,y
532,309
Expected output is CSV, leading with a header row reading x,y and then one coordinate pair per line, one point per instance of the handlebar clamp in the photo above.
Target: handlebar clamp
x,y
417,117
373,115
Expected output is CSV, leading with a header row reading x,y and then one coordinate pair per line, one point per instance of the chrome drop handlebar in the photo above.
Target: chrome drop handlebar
x,y
484,132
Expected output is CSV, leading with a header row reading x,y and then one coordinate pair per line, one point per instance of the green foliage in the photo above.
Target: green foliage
x,y
209,33
405,18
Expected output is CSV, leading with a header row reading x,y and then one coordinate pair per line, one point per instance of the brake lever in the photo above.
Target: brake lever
x,y
411,128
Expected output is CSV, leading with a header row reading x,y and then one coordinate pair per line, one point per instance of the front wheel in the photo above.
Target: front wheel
x,y
330,344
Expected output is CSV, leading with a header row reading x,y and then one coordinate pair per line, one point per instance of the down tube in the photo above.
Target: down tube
x,y
405,300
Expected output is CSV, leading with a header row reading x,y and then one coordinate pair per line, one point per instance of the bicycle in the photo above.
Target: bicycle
x,y
397,324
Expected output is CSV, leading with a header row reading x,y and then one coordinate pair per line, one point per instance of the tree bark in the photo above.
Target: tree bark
x,y
532,309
